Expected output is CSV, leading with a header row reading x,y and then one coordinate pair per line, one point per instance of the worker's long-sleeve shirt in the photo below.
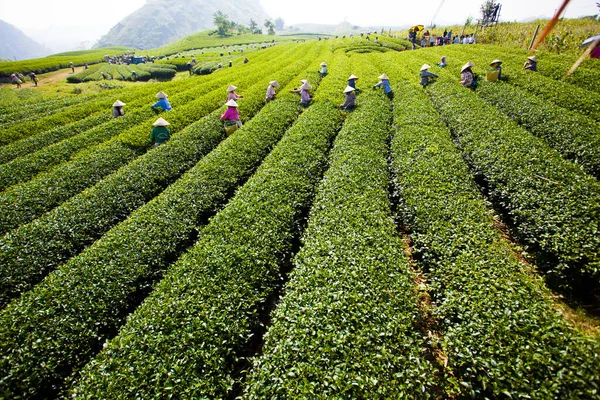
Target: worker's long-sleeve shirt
x,y
163,103
232,96
232,114
466,78
425,75
350,100
270,93
323,70
387,88
117,112
531,65
160,134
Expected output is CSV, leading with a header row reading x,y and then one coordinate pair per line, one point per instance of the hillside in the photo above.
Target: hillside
x,y
15,44
157,23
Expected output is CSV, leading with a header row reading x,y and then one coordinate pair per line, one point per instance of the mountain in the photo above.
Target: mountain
x,y
15,44
160,22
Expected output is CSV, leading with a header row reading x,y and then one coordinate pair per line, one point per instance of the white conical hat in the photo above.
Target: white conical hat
x,y
231,88
323,64
161,95
467,65
231,103
532,58
303,81
118,103
274,83
425,67
495,62
352,77
305,86
160,122
383,76
470,64
349,89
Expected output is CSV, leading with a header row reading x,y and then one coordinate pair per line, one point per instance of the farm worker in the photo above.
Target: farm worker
x,y
531,63
323,70
231,94
162,102
189,67
596,52
443,62
387,88
86,66
231,117
352,82
426,75
350,102
304,93
118,109
15,79
497,66
230,63
193,60
133,76
71,66
271,90
33,77
246,60
466,76
160,133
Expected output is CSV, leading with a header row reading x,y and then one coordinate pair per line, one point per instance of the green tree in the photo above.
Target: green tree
x,y
222,22
253,25
270,26
488,11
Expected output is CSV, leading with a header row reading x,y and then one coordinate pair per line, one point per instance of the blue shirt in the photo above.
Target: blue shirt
x,y
163,103
386,86
323,70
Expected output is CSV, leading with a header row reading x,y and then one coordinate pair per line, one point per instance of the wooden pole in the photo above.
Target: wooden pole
x,y
585,54
549,27
533,38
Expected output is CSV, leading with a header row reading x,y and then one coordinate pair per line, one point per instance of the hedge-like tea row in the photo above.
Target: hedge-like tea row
x,y
346,327
57,185
144,72
564,95
551,203
575,137
76,308
502,336
62,233
205,311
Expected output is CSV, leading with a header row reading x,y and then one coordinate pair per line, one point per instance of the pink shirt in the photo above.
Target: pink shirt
x,y
270,92
232,96
304,96
231,114
595,53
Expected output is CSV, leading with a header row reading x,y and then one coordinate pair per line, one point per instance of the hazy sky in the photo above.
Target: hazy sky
x,y
85,20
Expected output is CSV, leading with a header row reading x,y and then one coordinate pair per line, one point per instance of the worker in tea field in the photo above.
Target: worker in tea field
x,y
246,60
72,67
531,63
323,70
426,76
352,82
160,133
231,117
384,82
162,102
231,94
467,78
118,109
304,93
350,102
189,67
15,79
443,62
271,91
497,66
33,77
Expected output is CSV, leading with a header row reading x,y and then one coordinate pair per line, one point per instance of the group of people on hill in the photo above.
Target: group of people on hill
x,y
19,78
231,117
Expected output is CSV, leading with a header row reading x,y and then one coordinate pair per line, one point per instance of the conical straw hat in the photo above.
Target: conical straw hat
x,y
118,103
467,65
425,67
160,122
495,62
305,86
303,81
383,76
349,89
274,83
231,103
323,64
231,88
161,95
532,58
352,77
